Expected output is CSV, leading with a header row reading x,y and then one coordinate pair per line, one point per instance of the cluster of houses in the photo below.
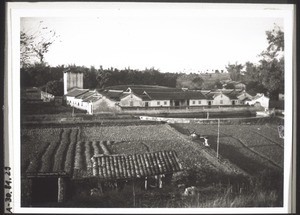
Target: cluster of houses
x,y
145,97
35,95
149,97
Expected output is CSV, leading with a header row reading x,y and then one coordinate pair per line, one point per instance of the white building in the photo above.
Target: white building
x,y
72,80
259,100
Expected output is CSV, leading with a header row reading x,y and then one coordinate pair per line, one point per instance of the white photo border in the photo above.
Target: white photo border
x,y
12,89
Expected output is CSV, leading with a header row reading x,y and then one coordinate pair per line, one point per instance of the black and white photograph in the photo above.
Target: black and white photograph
x,y
149,107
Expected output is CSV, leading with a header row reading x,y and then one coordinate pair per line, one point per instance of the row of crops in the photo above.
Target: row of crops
x,y
150,138
252,147
58,149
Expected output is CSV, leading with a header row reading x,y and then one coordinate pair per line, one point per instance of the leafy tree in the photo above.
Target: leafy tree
x,y
275,48
34,44
235,71
272,63
218,84
254,87
55,87
191,81
252,73
35,75
112,76
272,73
230,86
103,78
90,78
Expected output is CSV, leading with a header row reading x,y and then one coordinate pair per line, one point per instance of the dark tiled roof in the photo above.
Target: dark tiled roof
x,y
232,95
142,91
76,92
86,95
114,167
114,95
176,95
125,87
204,92
91,98
210,95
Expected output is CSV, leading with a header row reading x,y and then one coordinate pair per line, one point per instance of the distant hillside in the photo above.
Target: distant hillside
x,y
215,76
210,79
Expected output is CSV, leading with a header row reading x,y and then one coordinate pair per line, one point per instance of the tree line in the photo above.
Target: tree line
x,y
50,78
268,75
265,77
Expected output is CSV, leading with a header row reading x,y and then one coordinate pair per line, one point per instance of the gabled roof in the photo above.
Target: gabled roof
x,y
231,95
125,94
114,167
114,95
205,92
211,95
244,96
258,95
76,92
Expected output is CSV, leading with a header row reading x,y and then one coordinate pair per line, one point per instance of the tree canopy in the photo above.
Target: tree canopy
x,y
272,63
191,81
268,75
34,44
235,71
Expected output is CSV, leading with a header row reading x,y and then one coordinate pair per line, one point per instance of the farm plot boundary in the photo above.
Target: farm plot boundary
x,y
222,163
263,150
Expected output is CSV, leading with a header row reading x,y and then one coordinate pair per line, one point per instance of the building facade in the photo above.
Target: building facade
x,y
147,97
72,80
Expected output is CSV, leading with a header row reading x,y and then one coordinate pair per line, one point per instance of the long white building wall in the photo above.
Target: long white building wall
x,y
159,103
198,102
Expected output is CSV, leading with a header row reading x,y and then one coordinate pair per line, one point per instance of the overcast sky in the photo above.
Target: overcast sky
x,y
169,40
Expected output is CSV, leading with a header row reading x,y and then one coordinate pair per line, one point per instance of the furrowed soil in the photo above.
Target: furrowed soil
x,y
250,156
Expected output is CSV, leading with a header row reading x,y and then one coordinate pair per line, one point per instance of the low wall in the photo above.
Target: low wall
x,y
190,110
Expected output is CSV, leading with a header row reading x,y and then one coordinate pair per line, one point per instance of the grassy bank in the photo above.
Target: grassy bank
x,y
211,193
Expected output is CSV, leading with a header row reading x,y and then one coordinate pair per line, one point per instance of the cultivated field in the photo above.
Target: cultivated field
x,y
253,148
70,149
247,152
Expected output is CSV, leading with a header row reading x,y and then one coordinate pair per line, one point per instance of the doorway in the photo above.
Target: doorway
x,y
44,190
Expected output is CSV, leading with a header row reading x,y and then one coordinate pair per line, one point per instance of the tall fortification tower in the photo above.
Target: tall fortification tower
x,y
72,80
